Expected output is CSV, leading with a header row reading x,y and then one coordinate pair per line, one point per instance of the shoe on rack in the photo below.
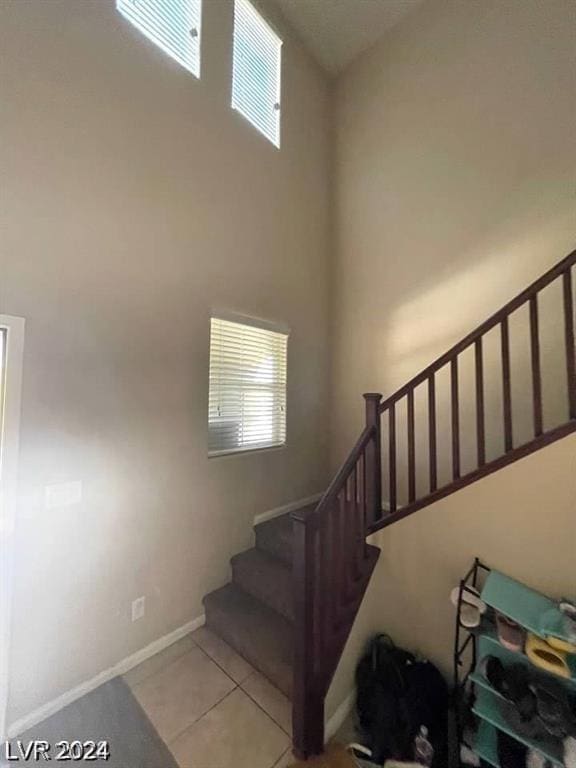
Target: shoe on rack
x,y
512,683
543,655
510,633
554,708
472,607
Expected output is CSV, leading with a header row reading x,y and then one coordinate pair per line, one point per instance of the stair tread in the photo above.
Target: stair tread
x,y
266,578
256,632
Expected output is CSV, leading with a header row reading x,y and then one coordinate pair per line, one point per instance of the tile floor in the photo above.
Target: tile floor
x,y
212,708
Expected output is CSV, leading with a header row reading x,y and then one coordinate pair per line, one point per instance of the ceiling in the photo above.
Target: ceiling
x,y
336,31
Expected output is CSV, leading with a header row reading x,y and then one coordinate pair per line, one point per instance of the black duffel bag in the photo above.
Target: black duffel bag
x,y
396,695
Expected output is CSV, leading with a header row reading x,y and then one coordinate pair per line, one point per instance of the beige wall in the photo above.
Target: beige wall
x,y
133,201
456,162
455,171
520,520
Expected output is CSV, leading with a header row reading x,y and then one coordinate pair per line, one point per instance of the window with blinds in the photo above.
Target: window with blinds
x,y
172,25
256,71
247,401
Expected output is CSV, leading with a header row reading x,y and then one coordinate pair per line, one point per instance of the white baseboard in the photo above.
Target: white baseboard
x,y
272,513
51,707
335,722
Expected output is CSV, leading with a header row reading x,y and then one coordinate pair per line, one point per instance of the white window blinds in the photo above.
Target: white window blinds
x,y
256,70
173,25
247,402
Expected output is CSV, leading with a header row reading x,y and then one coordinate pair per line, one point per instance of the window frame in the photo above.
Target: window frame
x,y
277,140
123,6
12,329
264,325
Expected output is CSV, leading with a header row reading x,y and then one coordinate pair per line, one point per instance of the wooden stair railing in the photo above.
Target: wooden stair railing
x,y
332,561
529,297
331,570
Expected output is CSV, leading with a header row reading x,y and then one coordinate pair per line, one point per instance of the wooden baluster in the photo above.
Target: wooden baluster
x,y
432,432
411,449
353,526
340,564
364,504
455,419
569,337
359,530
480,428
506,385
323,581
392,456
331,556
348,548
373,458
345,520
320,638
307,698
360,512
536,377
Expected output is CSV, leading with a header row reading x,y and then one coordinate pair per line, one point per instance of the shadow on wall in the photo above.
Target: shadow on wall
x,y
423,327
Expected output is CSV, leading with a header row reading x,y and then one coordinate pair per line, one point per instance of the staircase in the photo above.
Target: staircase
x,y
255,613
294,597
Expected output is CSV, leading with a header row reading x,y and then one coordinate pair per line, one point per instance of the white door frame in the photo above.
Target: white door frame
x,y
12,328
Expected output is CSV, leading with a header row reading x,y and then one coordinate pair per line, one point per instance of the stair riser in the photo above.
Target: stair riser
x,y
273,589
271,542
281,676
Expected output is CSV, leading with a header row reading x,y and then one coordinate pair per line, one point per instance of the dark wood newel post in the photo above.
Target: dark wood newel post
x,y
373,459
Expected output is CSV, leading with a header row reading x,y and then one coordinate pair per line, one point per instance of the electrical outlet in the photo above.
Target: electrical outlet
x,y
63,494
138,608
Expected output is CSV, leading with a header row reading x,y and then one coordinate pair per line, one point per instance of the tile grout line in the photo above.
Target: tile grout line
x,y
232,690
245,692
281,756
222,668
262,708
240,685
173,661
236,685
236,688
195,722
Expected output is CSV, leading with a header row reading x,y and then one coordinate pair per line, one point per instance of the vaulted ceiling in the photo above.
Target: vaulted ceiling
x,y
336,31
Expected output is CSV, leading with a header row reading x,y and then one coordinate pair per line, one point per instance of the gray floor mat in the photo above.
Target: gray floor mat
x,y
109,713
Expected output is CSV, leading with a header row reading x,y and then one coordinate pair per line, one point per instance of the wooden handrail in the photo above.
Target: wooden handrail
x,y
301,515
332,561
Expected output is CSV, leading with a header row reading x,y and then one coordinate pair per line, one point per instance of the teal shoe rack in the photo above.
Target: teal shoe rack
x,y
475,697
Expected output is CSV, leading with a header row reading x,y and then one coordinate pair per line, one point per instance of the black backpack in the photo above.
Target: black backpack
x,y
396,694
